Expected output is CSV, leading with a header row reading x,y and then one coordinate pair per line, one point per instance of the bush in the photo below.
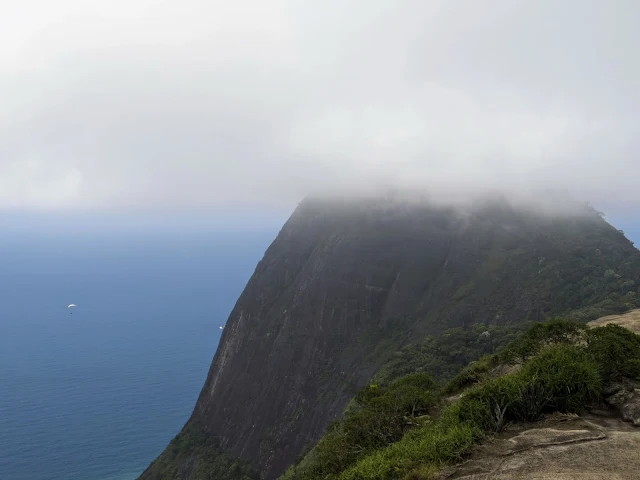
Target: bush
x,y
552,332
501,396
567,375
470,375
418,455
533,399
413,394
616,350
381,417
561,378
468,411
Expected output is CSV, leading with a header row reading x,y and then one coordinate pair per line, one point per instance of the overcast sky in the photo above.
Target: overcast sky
x,y
199,103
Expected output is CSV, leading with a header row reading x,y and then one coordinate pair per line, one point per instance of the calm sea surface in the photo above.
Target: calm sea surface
x,y
97,394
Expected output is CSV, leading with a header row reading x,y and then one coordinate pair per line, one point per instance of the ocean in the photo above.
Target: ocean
x,y
97,391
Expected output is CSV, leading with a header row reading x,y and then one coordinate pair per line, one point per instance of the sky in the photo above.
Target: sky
x,y
198,105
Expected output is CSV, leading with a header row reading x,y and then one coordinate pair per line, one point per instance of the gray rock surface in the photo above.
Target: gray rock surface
x,y
559,448
625,397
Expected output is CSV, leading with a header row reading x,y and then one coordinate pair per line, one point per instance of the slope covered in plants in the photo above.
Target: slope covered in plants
x,y
555,366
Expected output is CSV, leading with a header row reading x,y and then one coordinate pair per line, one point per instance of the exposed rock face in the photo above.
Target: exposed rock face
x,y
630,320
625,397
344,286
559,448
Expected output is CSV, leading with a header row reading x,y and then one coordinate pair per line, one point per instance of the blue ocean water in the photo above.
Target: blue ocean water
x,y
97,394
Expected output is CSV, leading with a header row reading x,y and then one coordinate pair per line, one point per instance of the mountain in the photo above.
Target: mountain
x,y
347,283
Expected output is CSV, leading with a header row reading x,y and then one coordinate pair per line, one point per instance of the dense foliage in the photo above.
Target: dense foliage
x,y
443,356
559,366
551,332
616,350
200,458
380,417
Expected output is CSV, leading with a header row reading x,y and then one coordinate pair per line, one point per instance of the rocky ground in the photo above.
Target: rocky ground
x,y
561,447
630,320
602,444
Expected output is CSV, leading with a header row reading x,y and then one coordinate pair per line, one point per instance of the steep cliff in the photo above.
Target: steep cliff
x,y
347,283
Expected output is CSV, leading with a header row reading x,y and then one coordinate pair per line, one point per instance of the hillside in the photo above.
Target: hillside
x,y
347,284
559,401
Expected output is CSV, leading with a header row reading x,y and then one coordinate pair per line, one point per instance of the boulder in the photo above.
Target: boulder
x,y
626,399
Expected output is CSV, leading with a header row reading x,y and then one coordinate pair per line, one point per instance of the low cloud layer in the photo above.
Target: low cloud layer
x,y
199,104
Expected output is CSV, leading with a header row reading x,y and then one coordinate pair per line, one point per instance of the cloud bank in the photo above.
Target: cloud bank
x,y
200,104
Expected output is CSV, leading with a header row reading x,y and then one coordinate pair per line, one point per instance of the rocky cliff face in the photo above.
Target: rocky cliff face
x,y
345,284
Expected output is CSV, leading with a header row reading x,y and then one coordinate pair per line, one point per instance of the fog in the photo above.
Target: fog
x,y
149,104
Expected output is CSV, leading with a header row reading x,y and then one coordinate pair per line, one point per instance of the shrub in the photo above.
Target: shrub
x,y
552,332
616,350
566,374
469,375
467,411
562,377
413,394
500,396
418,455
381,417
533,399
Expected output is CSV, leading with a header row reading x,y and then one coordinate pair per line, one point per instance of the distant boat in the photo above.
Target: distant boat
x,y
72,305
222,327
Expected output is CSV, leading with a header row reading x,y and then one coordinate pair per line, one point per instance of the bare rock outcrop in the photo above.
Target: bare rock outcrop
x,y
561,447
625,397
630,320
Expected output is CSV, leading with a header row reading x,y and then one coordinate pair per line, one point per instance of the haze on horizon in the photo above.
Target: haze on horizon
x,y
151,104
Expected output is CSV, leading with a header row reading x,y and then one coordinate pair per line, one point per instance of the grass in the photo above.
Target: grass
x,y
418,455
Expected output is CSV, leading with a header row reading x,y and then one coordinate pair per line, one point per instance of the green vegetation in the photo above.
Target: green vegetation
x,y
380,417
556,366
418,454
616,350
192,453
471,374
443,356
551,332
